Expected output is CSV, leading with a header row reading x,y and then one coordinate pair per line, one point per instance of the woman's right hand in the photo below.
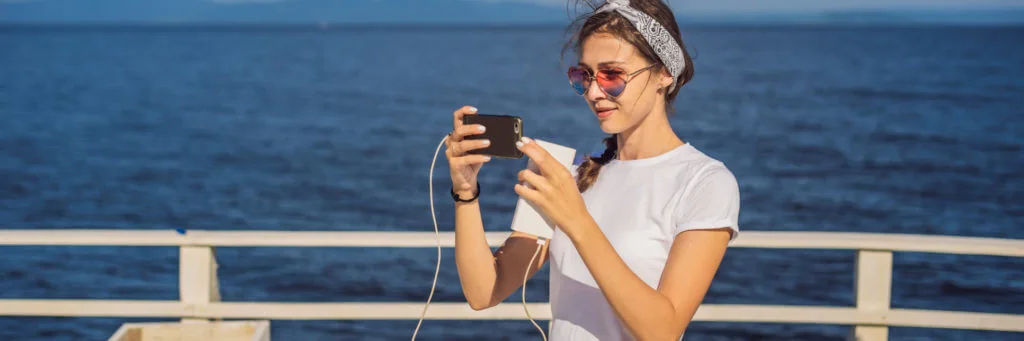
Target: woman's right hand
x,y
464,167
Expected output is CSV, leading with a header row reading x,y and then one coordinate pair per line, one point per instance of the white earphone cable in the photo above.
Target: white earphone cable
x,y
437,271
540,245
436,233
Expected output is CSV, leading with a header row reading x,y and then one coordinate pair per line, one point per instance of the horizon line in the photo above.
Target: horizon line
x,y
327,25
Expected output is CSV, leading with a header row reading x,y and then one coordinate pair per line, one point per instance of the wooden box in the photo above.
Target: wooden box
x,y
176,331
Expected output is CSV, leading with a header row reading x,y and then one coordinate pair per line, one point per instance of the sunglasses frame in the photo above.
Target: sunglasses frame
x,y
592,77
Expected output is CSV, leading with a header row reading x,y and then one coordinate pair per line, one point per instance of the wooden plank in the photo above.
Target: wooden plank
x,y
92,237
94,308
235,238
781,314
956,320
873,291
370,311
167,331
203,332
882,242
870,333
196,274
542,311
873,280
335,239
752,239
504,311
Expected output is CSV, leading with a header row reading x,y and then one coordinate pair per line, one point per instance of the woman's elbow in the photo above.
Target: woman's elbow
x,y
481,306
479,303
478,306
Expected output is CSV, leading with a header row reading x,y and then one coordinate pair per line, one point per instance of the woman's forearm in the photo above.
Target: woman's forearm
x,y
473,256
647,313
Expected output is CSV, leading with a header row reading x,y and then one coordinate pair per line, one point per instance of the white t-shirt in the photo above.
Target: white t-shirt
x,y
640,206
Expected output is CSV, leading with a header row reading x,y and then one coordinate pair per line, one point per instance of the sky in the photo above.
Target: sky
x,y
455,11
724,5
817,5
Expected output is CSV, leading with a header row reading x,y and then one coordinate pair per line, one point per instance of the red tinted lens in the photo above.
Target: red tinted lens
x,y
612,82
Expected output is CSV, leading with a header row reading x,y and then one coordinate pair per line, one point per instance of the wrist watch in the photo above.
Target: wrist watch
x,y
477,195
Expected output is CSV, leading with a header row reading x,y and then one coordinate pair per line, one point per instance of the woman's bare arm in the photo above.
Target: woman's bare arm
x,y
487,279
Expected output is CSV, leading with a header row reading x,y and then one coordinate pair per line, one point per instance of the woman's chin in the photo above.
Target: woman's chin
x,y
608,126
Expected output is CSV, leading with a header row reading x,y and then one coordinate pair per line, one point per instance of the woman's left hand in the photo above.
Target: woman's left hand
x,y
553,191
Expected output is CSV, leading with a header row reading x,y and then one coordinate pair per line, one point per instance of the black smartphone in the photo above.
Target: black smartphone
x,y
503,131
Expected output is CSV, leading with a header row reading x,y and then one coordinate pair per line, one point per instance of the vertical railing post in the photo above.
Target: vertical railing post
x,y
197,279
873,291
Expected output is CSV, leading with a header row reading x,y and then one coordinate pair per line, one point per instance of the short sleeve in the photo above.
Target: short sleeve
x,y
711,201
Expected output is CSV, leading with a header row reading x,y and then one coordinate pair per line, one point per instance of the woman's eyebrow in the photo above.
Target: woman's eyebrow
x,y
611,63
601,64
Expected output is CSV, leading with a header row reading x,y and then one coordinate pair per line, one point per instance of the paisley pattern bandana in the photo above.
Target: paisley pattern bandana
x,y
656,35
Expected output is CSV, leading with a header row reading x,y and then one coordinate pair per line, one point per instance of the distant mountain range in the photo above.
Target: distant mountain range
x,y
431,12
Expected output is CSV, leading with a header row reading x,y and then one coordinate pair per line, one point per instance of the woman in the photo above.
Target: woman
x,y
643,228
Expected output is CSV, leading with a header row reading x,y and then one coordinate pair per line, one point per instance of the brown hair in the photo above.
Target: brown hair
x,y
613,23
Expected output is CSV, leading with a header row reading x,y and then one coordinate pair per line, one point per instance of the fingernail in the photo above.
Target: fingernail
x,y
526,140
481,128
487,158
486,142
519,144
472,109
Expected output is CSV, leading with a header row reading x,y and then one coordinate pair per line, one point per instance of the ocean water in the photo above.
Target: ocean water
x,y
891,130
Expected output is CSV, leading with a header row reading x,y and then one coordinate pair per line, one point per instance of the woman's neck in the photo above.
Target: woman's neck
x,y
651,137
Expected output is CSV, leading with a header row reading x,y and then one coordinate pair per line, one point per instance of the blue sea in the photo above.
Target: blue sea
x,y
858,129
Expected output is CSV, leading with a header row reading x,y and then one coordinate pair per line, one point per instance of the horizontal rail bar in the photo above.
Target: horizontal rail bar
x,y
371,311
749,239
882,242
232,238
955,320
504,311
94,308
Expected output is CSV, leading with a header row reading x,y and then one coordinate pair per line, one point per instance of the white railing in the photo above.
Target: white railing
x,y
199,294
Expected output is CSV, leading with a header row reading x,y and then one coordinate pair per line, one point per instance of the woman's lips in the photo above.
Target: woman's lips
x,y
602,113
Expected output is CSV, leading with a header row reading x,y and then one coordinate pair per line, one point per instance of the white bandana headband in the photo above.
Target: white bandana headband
x,y
656,35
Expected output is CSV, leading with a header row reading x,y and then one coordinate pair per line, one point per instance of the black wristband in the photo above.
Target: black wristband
x,y
477,195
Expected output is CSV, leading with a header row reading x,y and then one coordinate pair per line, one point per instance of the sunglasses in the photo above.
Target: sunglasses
x,y
611,81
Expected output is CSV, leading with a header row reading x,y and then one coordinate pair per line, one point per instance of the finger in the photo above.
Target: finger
x,y
454,149
530,195
548,166
457,115
473,159
467,130
535,181
468,145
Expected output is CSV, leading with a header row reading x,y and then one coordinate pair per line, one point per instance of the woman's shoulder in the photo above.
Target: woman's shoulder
x,y
693,176
694,163
707,197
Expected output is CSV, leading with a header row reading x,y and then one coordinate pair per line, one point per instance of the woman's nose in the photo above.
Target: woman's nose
x,y
594,92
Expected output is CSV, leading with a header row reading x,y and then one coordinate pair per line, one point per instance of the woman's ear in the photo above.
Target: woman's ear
x,y
665,80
